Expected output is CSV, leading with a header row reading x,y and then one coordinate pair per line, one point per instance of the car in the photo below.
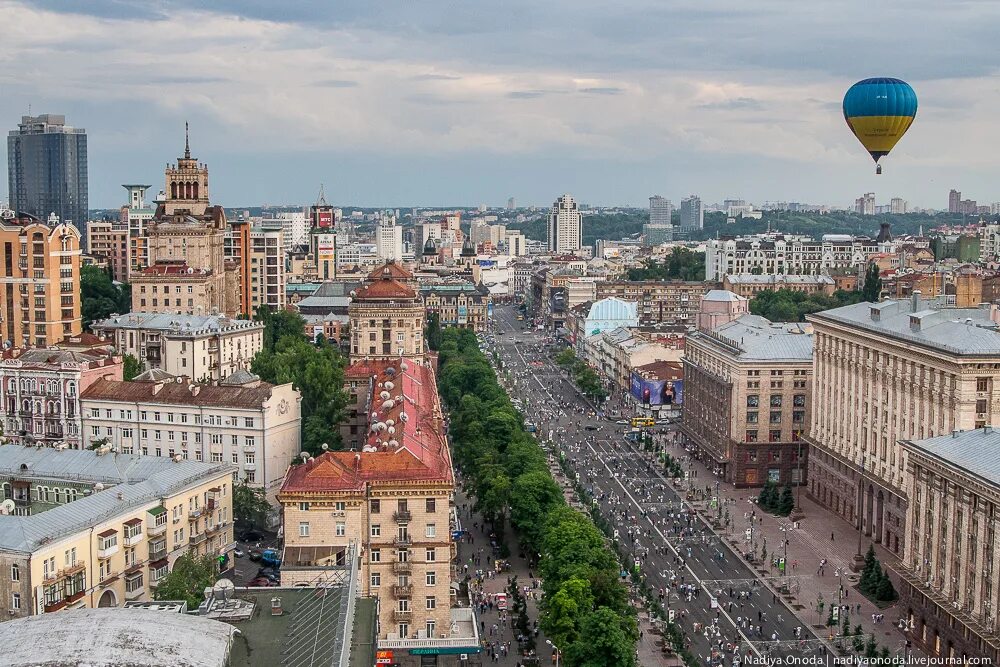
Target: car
x,y
267,572
623,422
239,553
254,555
590,427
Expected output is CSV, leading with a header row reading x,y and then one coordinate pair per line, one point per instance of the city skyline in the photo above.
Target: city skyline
x,y
476,105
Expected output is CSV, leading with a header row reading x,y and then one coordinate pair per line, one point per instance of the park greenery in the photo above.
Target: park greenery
x,y
774,501
250,506
585,609
316,370
100,296
586,378
785,305
680,264
188,579
875,583
871,290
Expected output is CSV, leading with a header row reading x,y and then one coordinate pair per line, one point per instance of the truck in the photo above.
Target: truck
x,y
270,558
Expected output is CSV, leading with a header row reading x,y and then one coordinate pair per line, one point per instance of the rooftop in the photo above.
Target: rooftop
x,y
48,358
242,392
173,269
752,279
384,288
975,452
755,338
722,295
137,481
960,331
390,270
113,637
170,323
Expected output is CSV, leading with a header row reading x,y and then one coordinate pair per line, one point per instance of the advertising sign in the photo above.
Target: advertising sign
x,y
383,657
656,392
324,218
463,314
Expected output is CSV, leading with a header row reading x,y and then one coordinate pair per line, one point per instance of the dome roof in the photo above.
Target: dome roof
x,y
468,250
240,377
429,247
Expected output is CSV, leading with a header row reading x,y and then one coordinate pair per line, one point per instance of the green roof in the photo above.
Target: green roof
x,y
157,511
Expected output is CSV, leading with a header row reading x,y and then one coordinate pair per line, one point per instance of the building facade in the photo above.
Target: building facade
x,y
134,215
386,316
692,213
950,588
47,169
458,303
198,347
771,254
110,240
40,393
252,425
748,285
747,391
659,301
97,529
565,226
40,279
890,371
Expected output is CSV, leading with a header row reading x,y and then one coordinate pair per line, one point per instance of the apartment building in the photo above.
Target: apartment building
x,y
391,500
208,347
458,303
747,390
96,529
110,240
749,285
39,299
616,353
771,254
659,301
134,215
950,588
40,392
259,253
386,316
252,425
890,371
593,317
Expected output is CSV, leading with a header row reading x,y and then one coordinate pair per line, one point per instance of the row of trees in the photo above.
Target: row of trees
x,y
875,582
774,501
680,264
585,608
785,305
585,377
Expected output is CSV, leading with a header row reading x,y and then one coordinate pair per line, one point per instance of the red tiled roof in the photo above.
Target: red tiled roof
x,y
385,288
399,448
174,393
391,270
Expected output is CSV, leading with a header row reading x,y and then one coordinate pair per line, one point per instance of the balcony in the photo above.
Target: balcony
x,y
198,538
403,541
107,552
134,539
136,594
216,527
402,590
55,605
401,616
194,515
108,578
402,516
212,505
157,555
155,530
402,567
75,568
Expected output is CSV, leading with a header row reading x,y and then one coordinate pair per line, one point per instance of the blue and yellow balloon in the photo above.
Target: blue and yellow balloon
x,y
879,112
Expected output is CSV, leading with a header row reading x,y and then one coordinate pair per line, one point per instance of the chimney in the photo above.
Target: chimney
x,y
915,301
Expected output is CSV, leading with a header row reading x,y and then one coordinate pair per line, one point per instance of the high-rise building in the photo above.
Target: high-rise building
x,y
40,280
692,213
865,204
389,239
188,272
954,201
565,226
898,205
660,228
47,169
136,214
258,251
510,204
110,240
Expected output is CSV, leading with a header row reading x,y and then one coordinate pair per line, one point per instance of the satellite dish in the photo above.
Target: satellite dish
x,y
7,507
224,589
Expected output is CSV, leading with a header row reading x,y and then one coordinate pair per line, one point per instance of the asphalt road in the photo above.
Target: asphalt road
x,y
721,598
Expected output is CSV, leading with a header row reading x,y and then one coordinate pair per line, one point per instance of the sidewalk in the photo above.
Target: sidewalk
x,y
820,535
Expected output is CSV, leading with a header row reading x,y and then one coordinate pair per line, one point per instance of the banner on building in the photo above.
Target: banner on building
x,y
656,392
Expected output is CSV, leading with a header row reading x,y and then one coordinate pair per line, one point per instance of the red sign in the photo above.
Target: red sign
x,y
383,658
324,218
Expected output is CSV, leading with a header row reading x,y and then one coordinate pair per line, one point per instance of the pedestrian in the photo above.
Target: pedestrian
x,y
831,537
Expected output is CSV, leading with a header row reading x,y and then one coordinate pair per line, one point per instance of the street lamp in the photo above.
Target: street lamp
x,y
556,649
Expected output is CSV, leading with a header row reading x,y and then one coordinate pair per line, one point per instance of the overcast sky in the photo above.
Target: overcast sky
x,y
429,102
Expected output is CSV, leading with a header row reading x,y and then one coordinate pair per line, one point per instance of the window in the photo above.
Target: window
x,y
431,578
249,441
776,400
15,601
134,584
774,435
251,477
376,530
376,580
430,603
775,416
236,458
303,529
248,422
753,401
341,529
751,456
431,530
752,417
376,506
250,459
376,555
15,572
980,406
95,431
430,505
303,507
431,555
775,456
982,384
799,400
751,436
798,416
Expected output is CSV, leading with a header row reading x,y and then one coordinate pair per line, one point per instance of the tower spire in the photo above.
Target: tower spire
x,y
322,196
187,143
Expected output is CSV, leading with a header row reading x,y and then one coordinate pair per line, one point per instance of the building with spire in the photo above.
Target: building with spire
x,y
187,271
386,316
323,238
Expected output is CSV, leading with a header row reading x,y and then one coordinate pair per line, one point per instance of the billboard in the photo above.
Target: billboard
x,y
656,392
487,263
323,217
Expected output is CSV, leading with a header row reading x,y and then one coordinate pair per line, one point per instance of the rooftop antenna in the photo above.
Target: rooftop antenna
x,y
322,196
187,143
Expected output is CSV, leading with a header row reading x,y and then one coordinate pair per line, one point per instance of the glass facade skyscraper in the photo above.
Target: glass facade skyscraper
x,y
47,169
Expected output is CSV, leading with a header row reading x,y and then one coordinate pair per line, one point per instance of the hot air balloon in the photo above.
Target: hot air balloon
x,y
879,112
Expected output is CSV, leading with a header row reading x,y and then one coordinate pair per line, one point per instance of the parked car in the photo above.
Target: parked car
x,y
239,553
590,427
254,555
263,581
623,422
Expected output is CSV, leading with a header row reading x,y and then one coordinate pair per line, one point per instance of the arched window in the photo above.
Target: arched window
x,y
58,495
43,494
194,190
173,190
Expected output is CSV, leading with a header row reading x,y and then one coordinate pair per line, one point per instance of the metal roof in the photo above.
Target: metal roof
x,y
175,324
755,338
976,452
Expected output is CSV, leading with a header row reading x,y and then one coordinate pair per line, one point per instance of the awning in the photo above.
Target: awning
x,y
158,510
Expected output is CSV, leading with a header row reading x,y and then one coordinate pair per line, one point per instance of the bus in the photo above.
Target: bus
x,y
643,421
520,318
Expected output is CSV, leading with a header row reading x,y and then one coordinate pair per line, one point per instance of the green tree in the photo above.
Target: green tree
x,y
680,264
433,336
566,357
188,579
872,289
871,647
605,639
884,590
533,495
565,609
130,367
279,325
787,502
100,296
317,371
250,506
